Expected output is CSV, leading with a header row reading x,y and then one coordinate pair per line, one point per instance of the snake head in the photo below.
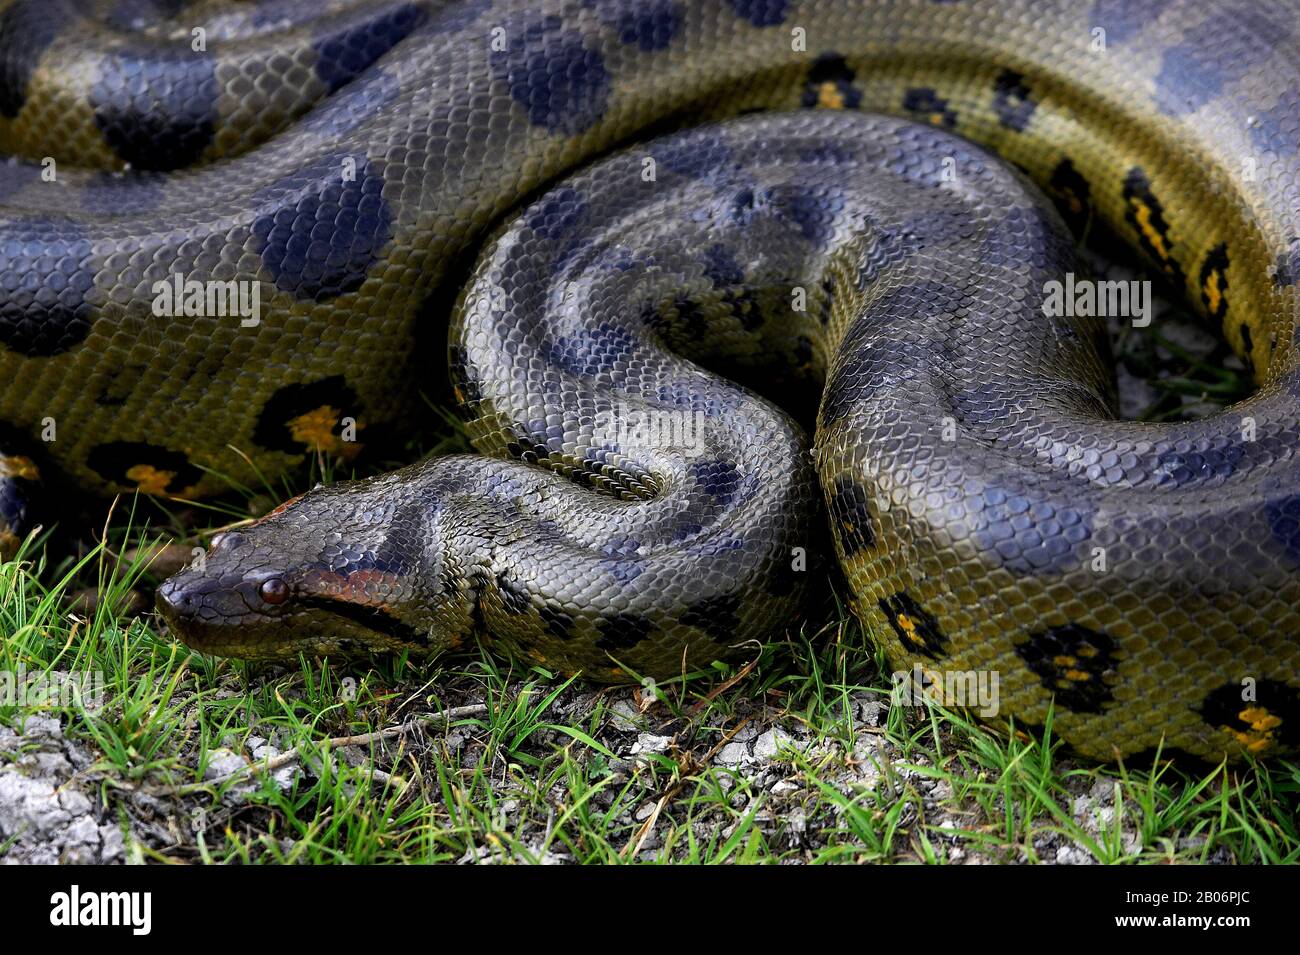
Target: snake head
x,y
337,569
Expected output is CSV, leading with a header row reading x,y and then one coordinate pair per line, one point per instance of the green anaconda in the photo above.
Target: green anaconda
x,y
226,228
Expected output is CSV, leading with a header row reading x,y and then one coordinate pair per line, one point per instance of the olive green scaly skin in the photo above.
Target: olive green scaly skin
x,y
988,515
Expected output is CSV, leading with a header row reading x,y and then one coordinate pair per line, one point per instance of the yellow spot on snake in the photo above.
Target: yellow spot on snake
x,y
1150,231
1262,723
1086,651
1259,718
1213,291
149,479
1078,676
829,96
19,467
1064,660
908,626
315,429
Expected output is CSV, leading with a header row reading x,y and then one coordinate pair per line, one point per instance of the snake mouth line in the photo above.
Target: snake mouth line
x,y
311,622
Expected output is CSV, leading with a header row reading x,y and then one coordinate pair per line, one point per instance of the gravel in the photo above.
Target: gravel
x,y
47,814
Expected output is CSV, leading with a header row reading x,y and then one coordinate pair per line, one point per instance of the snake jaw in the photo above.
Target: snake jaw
x,y
338,568
225,617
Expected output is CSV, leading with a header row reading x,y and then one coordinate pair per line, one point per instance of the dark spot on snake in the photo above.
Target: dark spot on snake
x,y
1265,719
1011,100
526,448
851,517
1195,71
44,286
561,83
514,599
1028,536
623,631
761,13
720,480
916,627
342,55
830,84
1146,215
741,205
1283,517
591,351
346,559
622,559
1247,348
814,211
557,213
147,466
1075,663
717,616
558,623
829,153
649,25
1204,465
1072,195
157,111
1121,19
27,28
1214,282
696,395
274,430
319,232
925,103
464,379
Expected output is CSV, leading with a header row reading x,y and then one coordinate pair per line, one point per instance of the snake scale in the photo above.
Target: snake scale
x,y
667,197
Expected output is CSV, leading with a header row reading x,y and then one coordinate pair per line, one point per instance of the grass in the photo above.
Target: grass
x,y
788,757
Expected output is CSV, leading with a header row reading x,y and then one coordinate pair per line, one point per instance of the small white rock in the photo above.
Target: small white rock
x,y
650,743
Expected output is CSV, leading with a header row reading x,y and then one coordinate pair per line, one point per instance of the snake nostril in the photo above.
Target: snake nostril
x,y
170,599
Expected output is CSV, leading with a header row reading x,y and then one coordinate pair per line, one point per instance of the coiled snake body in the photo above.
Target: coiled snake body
x,y
637,514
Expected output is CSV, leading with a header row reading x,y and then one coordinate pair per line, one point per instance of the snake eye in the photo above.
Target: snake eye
x,y
274,591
